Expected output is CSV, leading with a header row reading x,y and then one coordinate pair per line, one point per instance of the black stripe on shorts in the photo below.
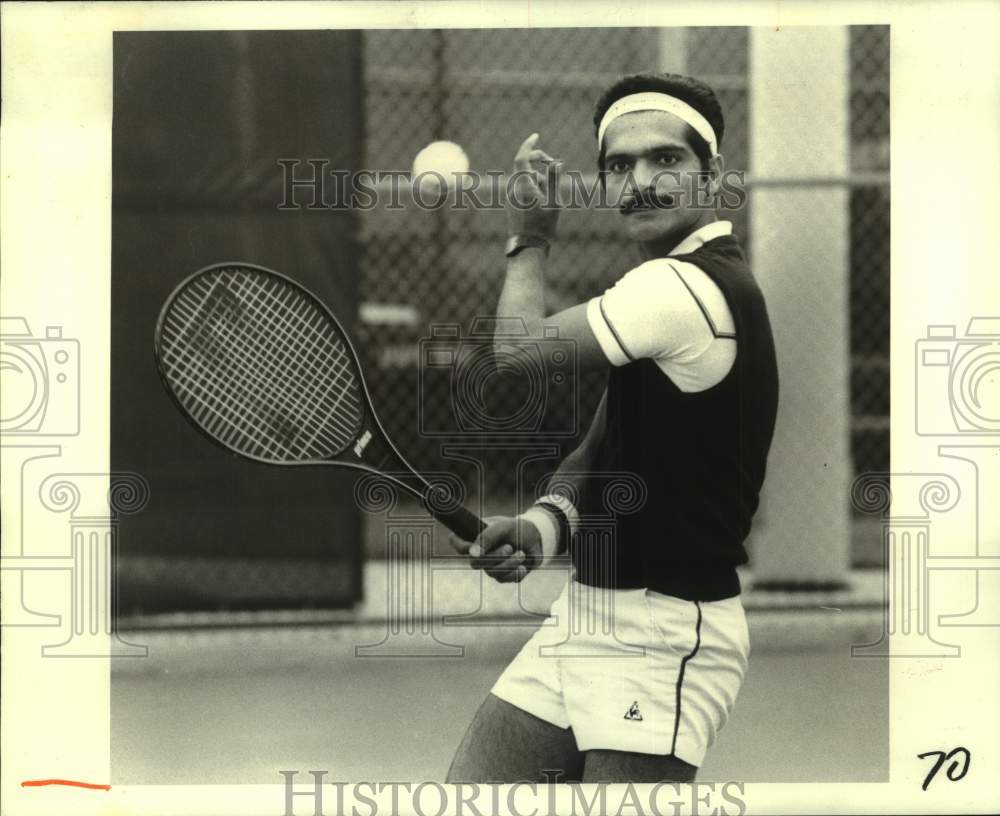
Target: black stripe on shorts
x,y
680,678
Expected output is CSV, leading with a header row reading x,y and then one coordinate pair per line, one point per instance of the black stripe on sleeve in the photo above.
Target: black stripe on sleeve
x,y
708,318
614,331
680,678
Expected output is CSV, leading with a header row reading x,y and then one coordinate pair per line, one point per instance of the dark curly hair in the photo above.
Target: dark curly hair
x,y
688,89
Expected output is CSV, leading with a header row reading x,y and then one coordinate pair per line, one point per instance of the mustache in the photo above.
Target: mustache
x,y
646,199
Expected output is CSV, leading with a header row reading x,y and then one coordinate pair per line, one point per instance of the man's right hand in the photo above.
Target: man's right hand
x,y
531,208
508,549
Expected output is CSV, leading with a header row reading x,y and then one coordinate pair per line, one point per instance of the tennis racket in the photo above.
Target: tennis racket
x,y
261,367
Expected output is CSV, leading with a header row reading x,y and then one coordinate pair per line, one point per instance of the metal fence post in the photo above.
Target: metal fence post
x,y
799,134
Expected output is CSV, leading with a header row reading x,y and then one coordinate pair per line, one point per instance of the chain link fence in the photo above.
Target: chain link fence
x,y
869,295
427,275
425,269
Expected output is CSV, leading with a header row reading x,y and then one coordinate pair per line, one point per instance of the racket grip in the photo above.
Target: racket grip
x,y
463,523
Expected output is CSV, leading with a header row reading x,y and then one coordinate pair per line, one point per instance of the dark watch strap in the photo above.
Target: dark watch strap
x,y
562,522
518,242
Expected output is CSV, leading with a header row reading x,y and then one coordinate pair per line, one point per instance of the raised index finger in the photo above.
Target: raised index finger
x,y
522,159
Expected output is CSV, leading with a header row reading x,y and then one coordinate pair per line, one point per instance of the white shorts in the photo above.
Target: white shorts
x,y
633,670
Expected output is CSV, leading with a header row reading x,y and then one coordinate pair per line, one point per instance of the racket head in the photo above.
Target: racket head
x,y
229,315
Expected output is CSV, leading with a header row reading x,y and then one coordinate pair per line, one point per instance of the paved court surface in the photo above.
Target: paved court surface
x,y
236,707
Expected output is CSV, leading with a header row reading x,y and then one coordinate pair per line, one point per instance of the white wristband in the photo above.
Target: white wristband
x,y
548,530
547,526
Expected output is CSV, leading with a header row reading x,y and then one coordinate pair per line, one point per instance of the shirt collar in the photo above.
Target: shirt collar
x,y
703,235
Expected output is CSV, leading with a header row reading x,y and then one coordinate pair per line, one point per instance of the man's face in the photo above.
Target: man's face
x,y
652,174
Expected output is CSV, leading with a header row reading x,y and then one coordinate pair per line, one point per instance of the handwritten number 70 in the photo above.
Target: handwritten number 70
x,y
955,770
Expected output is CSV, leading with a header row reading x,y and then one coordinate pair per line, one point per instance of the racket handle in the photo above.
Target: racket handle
x,y
463,523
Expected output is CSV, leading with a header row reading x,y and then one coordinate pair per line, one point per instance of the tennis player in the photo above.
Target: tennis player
x,y
689,409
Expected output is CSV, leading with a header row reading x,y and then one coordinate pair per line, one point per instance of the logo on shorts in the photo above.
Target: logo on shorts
x,y
633,712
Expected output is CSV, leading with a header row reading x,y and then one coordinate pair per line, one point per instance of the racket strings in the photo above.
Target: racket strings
x,y
194,376
203,384
293,364
261,367
192,373
197,373
265,403
319,348
336,367
332,357
279,369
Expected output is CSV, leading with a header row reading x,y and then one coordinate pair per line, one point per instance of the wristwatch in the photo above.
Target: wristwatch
x,y
518,242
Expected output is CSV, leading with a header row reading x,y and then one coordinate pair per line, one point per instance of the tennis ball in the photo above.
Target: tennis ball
x,y
443,158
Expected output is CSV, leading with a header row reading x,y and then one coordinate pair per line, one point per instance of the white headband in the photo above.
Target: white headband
x,y
653,100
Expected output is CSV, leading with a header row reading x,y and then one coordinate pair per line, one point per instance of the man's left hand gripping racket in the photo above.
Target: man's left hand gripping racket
x,y
263,368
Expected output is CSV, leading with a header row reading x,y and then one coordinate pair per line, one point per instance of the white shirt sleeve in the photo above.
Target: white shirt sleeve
x,y
671,312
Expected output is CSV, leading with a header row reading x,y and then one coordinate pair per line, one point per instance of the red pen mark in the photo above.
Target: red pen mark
x,y
37,783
